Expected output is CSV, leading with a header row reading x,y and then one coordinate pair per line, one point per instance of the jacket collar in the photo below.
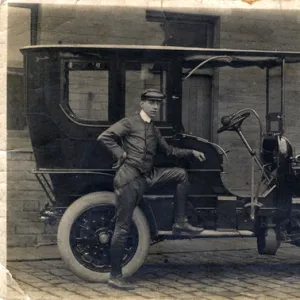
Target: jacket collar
x,y
145,117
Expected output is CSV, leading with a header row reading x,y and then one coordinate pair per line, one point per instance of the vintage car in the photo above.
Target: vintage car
x,y
75,92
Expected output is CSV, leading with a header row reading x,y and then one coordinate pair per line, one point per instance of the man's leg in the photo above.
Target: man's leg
x,y
127,197
180,177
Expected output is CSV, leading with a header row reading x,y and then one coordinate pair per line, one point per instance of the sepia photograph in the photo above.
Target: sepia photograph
x,y
150,149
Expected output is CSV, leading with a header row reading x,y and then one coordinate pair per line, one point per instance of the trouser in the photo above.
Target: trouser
x,y
130,186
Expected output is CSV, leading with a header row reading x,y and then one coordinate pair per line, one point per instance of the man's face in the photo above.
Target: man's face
x,y
151,108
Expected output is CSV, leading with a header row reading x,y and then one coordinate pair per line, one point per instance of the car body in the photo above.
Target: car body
x,y
77,172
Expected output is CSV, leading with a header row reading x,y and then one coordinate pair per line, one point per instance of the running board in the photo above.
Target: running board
x,y
214,233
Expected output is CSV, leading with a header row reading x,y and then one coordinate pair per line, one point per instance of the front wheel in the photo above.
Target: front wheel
x,y
84,236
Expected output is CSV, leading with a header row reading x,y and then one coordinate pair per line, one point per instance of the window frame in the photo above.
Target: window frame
x,y
168,86
64,95
116,90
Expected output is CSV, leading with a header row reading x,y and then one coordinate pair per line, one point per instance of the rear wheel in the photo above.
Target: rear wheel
x,y
84,237
267,241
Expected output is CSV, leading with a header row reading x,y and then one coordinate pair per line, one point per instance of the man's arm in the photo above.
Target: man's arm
x,y
180,153
110,137
170,150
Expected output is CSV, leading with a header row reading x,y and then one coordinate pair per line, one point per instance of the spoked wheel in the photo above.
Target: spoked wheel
x,y
267,241
84,238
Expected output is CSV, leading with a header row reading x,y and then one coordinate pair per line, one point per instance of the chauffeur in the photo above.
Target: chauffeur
x,y
135,172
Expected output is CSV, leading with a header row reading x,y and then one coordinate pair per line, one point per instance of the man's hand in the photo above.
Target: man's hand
x,y
199,155
120,161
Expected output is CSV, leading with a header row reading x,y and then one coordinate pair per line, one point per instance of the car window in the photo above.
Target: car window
x,y
86,89
141,76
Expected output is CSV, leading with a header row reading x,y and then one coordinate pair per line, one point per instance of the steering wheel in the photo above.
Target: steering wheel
x,y
230,123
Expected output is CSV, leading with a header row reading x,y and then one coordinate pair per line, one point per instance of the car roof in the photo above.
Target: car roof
x,y
218,57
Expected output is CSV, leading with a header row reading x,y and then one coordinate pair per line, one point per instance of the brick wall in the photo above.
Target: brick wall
x,y
92,25
233,90
25,199
88,96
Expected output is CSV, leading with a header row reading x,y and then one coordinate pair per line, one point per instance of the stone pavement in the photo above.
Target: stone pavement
x,y
191,269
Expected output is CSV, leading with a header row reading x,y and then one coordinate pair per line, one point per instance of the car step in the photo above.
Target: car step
x,y
215,233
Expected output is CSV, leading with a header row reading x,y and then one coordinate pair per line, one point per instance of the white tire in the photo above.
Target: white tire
x,y
75,210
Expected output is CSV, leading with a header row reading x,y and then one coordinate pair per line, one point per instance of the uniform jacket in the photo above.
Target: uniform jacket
x,y
140,140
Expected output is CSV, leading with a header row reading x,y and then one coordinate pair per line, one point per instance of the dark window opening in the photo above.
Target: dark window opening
x,y
183,29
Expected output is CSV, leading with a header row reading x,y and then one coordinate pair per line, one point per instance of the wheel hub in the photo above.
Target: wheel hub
x,y
90,238
103,238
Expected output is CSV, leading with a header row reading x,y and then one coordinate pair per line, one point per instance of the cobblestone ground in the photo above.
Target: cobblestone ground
x,y
199,269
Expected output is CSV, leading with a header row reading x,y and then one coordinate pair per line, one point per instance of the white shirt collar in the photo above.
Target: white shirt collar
x,y
145,117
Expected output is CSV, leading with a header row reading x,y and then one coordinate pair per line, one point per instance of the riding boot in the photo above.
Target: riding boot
x,y
181,225
119,282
